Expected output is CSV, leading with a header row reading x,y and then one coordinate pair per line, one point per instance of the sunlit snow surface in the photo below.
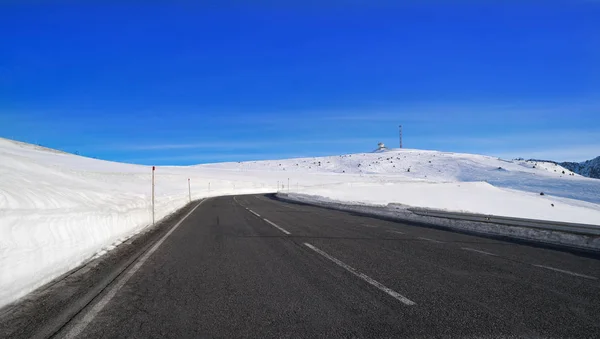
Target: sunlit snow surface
x,y
58,210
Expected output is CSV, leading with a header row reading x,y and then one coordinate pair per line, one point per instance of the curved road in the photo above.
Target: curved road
x,y
251,266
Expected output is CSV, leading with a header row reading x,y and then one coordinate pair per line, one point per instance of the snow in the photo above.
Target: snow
x,y
431,166
589,168
473,197
402,213
58,210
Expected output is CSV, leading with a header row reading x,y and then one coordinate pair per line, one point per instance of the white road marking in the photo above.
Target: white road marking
x,y
398,232
371,226
269,221
91,314
566,272
478,251
364,277
276,226
436,241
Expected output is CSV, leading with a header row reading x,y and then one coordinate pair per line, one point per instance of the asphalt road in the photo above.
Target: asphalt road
x,y
252,266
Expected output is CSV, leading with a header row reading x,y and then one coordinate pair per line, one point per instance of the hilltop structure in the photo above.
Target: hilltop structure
x,y
380,148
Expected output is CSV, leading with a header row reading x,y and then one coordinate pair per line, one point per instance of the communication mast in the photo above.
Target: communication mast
x,y
400,130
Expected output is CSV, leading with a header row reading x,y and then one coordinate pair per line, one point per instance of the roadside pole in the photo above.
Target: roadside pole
x,y
153,169
288,185
190,189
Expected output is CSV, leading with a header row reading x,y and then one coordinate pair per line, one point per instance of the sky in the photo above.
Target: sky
x,y
179,83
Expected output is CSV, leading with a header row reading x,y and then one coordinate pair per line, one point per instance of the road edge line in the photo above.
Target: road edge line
x,y
91,314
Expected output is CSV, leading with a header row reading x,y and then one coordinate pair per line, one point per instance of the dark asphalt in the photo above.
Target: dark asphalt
x,y
227,273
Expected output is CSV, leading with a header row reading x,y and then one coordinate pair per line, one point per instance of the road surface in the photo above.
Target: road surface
x,y
253,266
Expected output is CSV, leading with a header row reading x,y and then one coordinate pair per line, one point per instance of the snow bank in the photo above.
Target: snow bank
x,y
403,214
57,210
474,197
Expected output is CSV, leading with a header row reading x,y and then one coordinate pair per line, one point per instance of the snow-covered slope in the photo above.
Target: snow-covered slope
x,y
57,210
589,168
432,166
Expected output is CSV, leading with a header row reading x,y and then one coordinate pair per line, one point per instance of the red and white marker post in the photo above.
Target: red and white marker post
x,y
153,169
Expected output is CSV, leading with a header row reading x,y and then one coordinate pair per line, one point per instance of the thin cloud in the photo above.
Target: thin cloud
x,y
463,112
241,144
200,145
575,153
196,157
226,157
548,137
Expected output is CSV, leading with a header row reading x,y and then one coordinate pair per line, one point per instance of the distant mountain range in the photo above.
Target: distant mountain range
x,y
589,168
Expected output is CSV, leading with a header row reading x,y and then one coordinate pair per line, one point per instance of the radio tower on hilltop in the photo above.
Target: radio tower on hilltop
x,y
400,129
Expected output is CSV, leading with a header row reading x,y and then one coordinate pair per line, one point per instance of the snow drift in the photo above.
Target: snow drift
x,y
58,210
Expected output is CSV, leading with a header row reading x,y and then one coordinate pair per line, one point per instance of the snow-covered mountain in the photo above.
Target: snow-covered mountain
x,y
589,168
57,210
432,166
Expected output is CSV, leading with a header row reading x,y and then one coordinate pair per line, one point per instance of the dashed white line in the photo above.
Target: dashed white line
x,y
269,221
277,226
397,232
364,277
256,214
479,251
566,272
91,314
435,241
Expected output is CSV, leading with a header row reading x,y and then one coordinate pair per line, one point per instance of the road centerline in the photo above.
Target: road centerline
x,y
267,220
566,272
370,226
364,277
251,211
478,251
431,240
277,226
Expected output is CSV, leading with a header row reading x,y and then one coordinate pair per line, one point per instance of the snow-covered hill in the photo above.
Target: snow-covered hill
x,y
589,168
57,210
434,167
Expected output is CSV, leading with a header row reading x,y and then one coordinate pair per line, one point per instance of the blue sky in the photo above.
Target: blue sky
x,y
230,81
